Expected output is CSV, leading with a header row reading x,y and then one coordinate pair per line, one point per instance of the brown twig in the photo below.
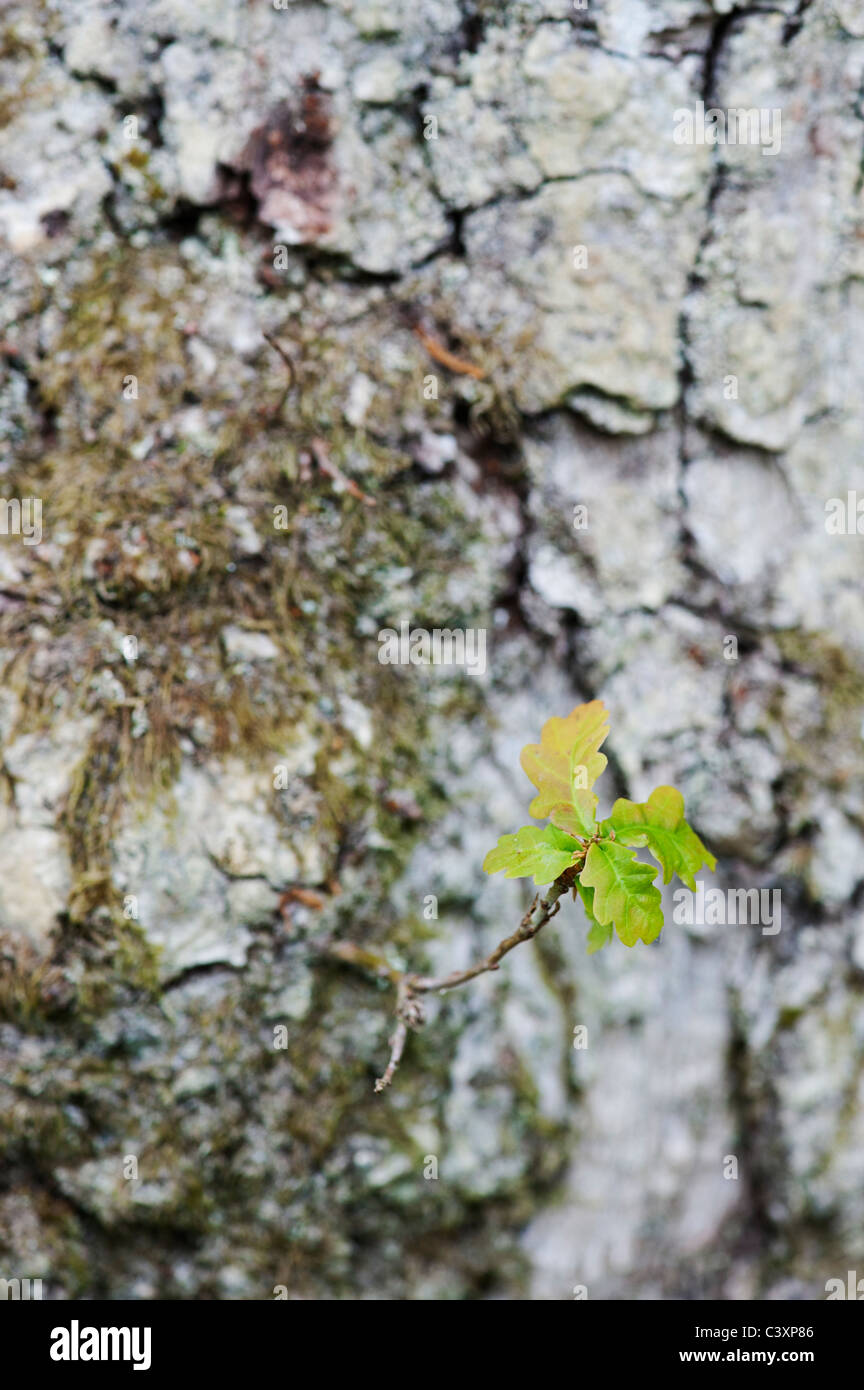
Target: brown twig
x,y
539,913
277,347
448,359
398,1039
292,371
410,1014
329,469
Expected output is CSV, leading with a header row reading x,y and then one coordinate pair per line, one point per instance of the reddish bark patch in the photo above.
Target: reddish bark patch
x,y
288,160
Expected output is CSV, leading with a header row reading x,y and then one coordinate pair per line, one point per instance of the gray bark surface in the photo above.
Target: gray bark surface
x,y
205,768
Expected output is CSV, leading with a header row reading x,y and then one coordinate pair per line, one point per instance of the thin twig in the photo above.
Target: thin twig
x,y
397,1047
277,346
410,1014
329,469
292,371
448,359
539,913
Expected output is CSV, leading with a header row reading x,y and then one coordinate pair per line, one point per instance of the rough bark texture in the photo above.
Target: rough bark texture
x,y
431,164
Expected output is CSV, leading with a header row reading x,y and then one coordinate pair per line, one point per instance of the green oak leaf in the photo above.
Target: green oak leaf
x,y
659,824
600,933
566,761
624,892
579,818
543,851
599,936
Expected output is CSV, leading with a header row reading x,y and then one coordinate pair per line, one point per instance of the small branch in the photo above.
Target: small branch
x,y
410,1014
539,913
397,1047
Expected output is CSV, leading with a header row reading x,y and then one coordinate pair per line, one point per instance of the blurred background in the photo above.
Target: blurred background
x,y
322,317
